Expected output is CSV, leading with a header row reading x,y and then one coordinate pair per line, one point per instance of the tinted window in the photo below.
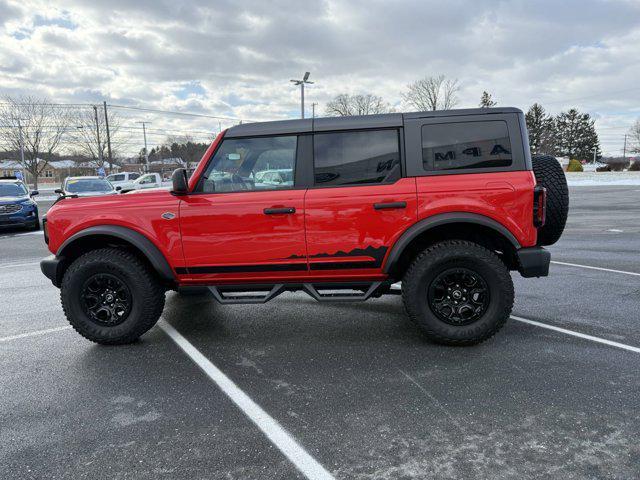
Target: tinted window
x,y
449,146
133,176
251,164
352,158
116,178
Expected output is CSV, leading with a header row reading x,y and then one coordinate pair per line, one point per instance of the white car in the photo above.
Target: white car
x,y
124,180
270,178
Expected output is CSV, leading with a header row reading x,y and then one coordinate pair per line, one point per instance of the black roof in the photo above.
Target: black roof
x,y
387,120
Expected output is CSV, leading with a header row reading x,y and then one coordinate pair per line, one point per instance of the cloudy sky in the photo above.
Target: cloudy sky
x,y
235,58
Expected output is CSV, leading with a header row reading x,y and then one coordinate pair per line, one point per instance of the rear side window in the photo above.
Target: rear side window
x,y
466,145
352,158
116,178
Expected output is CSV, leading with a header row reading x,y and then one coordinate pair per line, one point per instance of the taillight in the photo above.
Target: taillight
x,y
539,206
45,230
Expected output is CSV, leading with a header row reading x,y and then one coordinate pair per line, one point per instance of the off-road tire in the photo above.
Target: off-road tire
x,y
446,255
550,175
146,292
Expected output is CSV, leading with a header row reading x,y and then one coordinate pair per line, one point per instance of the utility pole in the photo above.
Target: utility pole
x,y
146,150
313,110
304,80
21,141
101,160
106,123
624,149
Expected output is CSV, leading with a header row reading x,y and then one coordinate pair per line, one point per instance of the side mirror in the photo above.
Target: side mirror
x,y
34,193
179,181
58,191
118,188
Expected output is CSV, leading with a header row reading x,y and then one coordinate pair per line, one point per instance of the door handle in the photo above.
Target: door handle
x,y
279,211
389,205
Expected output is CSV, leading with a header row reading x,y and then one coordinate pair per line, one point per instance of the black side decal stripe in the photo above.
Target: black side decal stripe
x,y
295,267
344,265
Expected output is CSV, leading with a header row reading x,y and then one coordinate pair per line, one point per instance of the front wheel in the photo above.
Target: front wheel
x,y
110,297
458,293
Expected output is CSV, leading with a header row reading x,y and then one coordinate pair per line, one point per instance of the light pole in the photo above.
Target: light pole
x,y
313,110
304,80
100,159
146,150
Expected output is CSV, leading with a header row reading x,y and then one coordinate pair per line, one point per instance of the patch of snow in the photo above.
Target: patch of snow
x,y
596,179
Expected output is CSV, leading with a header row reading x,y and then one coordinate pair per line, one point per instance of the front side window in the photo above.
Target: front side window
x,y
245,164
451,146
352,158
133,176
148,179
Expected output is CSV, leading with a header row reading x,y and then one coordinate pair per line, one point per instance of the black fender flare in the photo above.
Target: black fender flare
x,y
442,219
139,241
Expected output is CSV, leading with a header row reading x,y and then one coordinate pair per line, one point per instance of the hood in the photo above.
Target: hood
x,y
5,200
93,194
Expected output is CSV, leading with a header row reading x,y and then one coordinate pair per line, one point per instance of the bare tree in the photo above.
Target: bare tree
x,y
432,93
90,134
35,126
345,105
634,137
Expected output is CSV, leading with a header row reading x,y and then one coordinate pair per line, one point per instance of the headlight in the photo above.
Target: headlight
x,y
27,202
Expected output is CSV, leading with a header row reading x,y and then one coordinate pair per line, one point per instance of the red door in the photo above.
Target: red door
x,y
359,205
347,236
243,236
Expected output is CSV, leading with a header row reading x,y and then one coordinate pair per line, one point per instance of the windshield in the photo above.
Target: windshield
x,y
12,190
88,185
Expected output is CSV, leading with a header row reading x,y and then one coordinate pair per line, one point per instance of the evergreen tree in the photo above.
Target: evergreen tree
x,y
486,101
542,130
577,135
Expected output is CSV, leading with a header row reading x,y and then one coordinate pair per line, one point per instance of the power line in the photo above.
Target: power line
x,y
173,112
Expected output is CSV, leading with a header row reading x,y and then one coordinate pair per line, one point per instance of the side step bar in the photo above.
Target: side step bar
x,y
325,292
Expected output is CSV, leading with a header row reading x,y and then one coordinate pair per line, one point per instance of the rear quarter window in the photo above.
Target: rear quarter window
x,y
466,145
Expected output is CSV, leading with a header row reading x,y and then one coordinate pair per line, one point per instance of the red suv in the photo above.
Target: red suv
x,y
446,202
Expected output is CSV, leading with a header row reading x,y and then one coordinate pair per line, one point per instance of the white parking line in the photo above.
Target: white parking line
x,y
577,334
9,265
304,462
596,268
34,333
22,234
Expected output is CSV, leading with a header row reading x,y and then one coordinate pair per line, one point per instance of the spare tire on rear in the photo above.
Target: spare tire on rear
x,y
550,175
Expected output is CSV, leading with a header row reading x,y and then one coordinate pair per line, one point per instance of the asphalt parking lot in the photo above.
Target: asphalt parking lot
x,y
295,389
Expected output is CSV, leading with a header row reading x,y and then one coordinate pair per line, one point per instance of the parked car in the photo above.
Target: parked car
x,y
447,202
86,187
17,205
124,180
145,181
280,177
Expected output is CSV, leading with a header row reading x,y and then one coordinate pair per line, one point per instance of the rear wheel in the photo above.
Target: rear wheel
x,y
458,293
110,297
550,175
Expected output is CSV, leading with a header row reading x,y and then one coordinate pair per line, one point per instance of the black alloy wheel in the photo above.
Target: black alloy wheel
x,y
106,299
458,296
